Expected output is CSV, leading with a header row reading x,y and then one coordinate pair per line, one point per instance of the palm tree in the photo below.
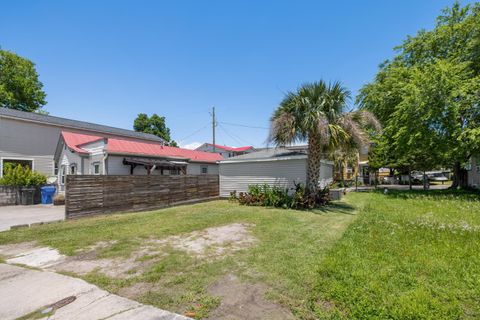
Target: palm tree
x,y
316,113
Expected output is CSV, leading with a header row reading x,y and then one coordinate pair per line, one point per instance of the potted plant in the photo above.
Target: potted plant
x,y
24,180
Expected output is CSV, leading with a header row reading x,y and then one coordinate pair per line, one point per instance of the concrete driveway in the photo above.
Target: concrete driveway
x,y
27,215
23,291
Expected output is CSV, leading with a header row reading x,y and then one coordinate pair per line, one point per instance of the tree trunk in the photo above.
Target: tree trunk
x,y
342,177
460,176
313,164
424,181
409,178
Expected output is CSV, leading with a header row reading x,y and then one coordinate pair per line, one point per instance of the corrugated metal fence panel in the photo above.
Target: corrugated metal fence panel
x,y
284,173
92,195
238,176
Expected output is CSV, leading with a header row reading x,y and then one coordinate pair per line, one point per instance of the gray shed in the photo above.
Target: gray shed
x,y
276,167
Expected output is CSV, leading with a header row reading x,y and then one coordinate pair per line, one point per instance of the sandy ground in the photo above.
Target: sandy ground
x,y
244,301
238,300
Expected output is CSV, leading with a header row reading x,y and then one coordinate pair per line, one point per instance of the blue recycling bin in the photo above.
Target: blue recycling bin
x,y
47,194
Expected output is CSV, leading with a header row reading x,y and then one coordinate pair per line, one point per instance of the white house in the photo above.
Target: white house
x,y
281,167
226,152
474,172
30,138
78,153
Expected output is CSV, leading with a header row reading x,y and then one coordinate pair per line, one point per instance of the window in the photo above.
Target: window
x,y
73,168
55,168
174,172
96,168
204,169
15,162
63,170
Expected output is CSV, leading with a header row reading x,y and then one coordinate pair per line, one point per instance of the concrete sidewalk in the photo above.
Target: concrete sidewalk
x,y
27,215
23,291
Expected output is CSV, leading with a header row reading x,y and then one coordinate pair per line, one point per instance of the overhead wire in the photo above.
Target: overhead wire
x,y
234,136
195,132
243,125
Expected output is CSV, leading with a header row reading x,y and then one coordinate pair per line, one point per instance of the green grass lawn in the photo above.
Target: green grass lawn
x,y
404,255
410,255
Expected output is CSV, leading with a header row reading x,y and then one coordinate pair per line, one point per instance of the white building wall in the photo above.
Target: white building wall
x,y
196,168
474,173
237,176
66,159
31,141
116,167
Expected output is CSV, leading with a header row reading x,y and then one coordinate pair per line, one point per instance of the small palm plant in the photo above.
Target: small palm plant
x,y
316,113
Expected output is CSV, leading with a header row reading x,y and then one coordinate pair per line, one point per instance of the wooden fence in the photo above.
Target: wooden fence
x,y
88,195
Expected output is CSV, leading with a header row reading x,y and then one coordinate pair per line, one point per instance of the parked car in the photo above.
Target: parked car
x,y
437,177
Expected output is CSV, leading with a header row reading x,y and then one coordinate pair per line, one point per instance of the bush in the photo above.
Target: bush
x,y
59,200
18,176
273,196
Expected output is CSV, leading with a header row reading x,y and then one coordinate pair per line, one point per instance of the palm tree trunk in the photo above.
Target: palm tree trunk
x,y
313,164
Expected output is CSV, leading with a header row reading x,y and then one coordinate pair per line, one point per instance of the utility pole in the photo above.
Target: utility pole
x,y
214,124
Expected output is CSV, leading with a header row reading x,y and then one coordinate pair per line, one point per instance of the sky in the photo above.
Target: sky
x,y
106,61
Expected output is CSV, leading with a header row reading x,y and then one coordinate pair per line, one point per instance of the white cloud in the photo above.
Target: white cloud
x,y
191,146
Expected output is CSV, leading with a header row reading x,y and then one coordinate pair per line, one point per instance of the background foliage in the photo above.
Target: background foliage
x,y
20,87
155,125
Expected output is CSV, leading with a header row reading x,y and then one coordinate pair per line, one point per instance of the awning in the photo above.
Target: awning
x,y
154,162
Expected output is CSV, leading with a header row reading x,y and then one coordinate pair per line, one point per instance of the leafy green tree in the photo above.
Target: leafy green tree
x,y
20,88
155,125
316,113
427,98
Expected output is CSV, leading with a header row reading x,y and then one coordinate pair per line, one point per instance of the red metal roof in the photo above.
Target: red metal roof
x,y
74,140
135,147
238,149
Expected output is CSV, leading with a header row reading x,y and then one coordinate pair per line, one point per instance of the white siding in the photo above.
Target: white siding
x,y
66,159
196,168
474,173
22,140
238,176
283,173
116,167
41,163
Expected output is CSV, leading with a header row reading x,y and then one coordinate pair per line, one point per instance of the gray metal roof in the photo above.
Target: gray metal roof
x,y
268,153
68,123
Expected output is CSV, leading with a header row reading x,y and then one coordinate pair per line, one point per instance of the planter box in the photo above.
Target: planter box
x,y
27,196
336,194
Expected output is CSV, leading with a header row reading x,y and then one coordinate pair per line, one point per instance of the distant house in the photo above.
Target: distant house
x,y
78,153
31,138
474,172
226,152
281,167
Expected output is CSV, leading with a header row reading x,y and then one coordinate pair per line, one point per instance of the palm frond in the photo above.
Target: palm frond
x,y
283,129
352,127
368,119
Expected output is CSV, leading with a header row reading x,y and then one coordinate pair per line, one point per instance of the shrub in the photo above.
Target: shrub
x,y
18,176
59,200
273,196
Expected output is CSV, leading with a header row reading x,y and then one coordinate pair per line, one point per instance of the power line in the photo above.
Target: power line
x,y
195,132
233,136
243,125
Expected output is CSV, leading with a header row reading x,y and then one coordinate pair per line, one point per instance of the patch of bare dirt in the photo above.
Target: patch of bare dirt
x,y
244,301
214,242
136,290
119,267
